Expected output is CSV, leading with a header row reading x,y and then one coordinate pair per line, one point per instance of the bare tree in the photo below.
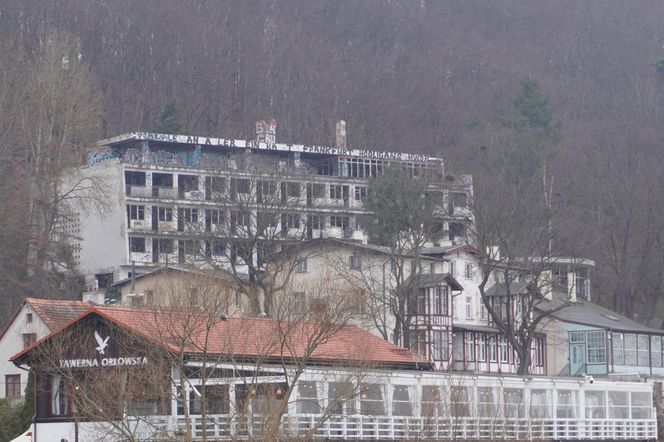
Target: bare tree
x,y
406,214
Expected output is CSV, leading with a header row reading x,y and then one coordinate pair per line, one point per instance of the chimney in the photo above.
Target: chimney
x,y
341,134
571,286
546,284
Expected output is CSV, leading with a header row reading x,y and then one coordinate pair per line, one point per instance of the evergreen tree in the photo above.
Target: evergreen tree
x,y
169,119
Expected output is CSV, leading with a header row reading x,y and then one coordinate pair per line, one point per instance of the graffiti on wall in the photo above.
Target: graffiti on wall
x,y
101,155
196,158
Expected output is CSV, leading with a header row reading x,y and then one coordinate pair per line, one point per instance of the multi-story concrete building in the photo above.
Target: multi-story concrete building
x,y
163,188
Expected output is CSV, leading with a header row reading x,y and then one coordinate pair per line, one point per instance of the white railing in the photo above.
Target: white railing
x,y
399,428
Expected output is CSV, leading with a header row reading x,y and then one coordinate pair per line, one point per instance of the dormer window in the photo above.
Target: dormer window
x,y
355,262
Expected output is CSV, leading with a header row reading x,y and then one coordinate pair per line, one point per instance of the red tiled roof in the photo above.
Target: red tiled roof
x,y
54,312
254,338
57,312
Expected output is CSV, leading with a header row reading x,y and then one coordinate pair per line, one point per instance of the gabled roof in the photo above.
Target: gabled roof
x,y
372,248
53,312
432,280
169,268
584,312
249,338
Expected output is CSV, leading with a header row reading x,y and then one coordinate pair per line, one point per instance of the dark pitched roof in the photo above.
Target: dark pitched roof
x,y
433,279
250,337
588,313
446,250
501,288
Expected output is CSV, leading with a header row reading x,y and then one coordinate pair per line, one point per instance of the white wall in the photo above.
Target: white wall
x,y
103,235
12,343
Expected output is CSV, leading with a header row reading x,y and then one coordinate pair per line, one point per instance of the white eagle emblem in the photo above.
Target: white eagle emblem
x,y
102,343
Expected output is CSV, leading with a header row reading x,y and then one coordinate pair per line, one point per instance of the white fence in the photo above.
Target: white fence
x,y
220,427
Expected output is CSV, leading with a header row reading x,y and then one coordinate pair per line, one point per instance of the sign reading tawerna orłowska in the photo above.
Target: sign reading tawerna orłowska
x,y
101,360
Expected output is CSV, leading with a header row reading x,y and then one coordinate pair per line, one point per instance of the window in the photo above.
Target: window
x,y
240,185
452,268
265,191
341,398
135,212
595,405
149,297
642,355
59,400
336,192
216,397
29,339
316,222
656,349
163,245
421,302
400,401
307,398
318,190
440,345
360,193
165,214
12,386
481,347
641,404
301,265
193,296
468,271
486,402
470,346
217,248
439,300
188,215
290,189
618,405
355,262
290,221
137,245
618,342
567,404
493,356
238,299
215,217
299,302
483,312
458,199
630,349
460,402
419,344
432,401
469,307
503,349
339,221
371,400
514,402
28,318
596,346
240,219
540,404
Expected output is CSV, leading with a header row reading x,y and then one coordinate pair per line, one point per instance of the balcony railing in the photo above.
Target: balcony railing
x,y
226,427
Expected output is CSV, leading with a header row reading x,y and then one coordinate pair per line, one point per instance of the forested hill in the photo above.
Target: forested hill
x,y
427,76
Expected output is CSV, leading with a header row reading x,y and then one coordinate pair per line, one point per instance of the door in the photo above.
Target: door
x,y
577,358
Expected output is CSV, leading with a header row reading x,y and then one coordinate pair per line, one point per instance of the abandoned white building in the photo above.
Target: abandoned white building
x,y
165,192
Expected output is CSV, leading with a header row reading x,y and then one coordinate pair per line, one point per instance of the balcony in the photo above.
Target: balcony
x,y
139,191
164,192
